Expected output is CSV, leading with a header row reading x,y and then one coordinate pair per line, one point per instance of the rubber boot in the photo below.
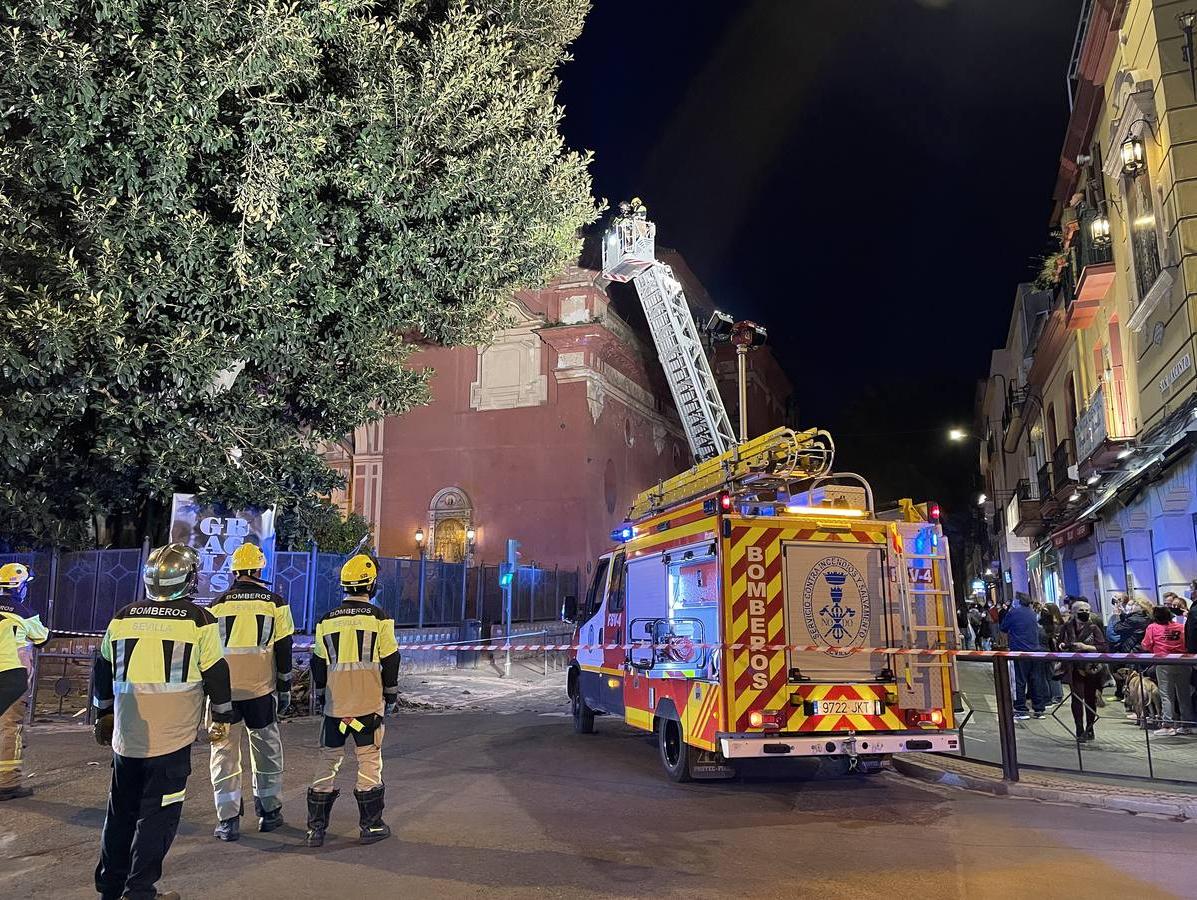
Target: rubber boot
x,y
370,805
320,804
15,793
228,829
268,820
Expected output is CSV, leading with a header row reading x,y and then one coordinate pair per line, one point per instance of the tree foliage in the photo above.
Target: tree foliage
x,y
323,523
291,193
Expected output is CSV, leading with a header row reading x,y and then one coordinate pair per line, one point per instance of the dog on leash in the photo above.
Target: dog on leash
x,y
1141,696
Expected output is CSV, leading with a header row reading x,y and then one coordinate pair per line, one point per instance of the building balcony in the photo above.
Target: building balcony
x,y
1087,277
1046,490
1023,512
1056,480
1102,430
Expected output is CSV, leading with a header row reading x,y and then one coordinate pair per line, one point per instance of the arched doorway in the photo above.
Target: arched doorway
x,y
450,515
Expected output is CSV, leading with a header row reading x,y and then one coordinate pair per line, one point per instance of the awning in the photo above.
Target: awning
x,y
1070,534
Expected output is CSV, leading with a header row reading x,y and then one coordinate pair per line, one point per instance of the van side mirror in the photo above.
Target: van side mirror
x,y
569,609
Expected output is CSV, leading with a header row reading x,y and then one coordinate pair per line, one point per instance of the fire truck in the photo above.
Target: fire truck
x,y
757,605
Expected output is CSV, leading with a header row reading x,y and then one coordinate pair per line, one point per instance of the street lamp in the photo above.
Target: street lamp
x,y
1099,230
420,540
471,534
1187,20
957,434
1134,157
981,500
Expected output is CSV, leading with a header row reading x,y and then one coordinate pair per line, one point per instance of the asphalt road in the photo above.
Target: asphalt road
x,y
516,805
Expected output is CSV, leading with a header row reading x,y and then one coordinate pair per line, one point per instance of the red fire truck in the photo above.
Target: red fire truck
x,y
757,605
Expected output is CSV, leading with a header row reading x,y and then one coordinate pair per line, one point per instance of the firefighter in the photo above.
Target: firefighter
x,y
157,659
355,675
255,628
18,624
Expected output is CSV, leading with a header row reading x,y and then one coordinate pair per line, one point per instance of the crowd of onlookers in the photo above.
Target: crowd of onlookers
x,y
1159,696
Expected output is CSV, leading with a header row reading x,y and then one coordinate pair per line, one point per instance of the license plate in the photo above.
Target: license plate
x,y
846,708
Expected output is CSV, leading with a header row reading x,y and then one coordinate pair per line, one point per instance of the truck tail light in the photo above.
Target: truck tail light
x,y
924,718
769,719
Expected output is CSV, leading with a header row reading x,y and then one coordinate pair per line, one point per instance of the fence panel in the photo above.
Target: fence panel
x,y
75,594
291,572
442,593
38,592
118,583
328,583
399,589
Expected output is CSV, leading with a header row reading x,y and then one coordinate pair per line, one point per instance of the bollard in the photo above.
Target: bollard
x,y
1005,717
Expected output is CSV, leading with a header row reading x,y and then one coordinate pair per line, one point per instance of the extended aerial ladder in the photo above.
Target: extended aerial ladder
x,y
771,460
629,254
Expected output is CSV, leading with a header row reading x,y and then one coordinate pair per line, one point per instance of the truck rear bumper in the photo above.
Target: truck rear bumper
x,y
886,743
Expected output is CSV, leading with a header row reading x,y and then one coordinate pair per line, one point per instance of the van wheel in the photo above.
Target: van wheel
x,y
676,755
583,714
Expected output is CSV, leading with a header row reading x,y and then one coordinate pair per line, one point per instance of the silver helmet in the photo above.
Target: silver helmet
x,y
171,572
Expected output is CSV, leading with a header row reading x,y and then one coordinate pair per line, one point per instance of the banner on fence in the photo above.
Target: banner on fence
x,y
215,531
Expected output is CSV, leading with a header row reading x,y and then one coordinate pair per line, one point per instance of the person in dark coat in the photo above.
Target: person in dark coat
x,y
1132,625
1021,626
1082,633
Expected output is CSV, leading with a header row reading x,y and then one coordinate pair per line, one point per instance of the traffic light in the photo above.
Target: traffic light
x,y
507,569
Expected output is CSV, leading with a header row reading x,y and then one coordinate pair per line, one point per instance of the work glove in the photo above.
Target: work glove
x,y
101,729
392,704
284,701
218,732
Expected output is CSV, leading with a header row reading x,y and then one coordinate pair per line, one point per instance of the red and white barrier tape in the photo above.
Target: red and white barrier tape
x,y
792,648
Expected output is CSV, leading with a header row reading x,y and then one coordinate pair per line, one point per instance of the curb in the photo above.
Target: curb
x,y
1164,806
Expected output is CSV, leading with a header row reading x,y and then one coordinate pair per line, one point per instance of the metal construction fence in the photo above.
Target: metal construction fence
x,y
78,592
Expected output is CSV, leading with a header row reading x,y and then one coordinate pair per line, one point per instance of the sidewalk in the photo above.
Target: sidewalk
x,y
1175,801
485,688
1120,748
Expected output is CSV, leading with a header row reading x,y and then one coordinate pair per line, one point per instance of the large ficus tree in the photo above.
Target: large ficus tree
x,y
224,222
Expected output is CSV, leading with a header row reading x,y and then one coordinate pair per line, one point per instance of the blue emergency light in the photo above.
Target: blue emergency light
x,y
623,533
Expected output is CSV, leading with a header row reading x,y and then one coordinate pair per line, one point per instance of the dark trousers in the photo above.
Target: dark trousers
x,y
1030,678
144,805
1084,699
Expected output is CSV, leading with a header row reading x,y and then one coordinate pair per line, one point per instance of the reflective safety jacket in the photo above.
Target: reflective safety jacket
x,y
255,628
157,660
18,624
355,659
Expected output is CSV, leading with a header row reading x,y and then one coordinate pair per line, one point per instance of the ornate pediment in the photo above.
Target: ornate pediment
x,y
1134,101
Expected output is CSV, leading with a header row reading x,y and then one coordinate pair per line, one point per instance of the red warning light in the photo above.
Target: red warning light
x,y
933,512
725,502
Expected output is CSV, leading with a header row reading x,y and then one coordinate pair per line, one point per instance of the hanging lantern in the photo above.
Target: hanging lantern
x,y
1134,157
1099,230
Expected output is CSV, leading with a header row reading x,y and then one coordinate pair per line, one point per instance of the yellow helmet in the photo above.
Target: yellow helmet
x,y
359,574
171,572
248,558
13,575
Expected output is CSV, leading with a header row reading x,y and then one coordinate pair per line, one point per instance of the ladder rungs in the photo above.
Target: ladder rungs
x,y
931,592
924,556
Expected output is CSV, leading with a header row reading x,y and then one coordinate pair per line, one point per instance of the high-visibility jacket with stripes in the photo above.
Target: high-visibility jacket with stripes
x,y
18,624
355,658
157,660
255,628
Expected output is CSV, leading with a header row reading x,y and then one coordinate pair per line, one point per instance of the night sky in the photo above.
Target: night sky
x,y
868,179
